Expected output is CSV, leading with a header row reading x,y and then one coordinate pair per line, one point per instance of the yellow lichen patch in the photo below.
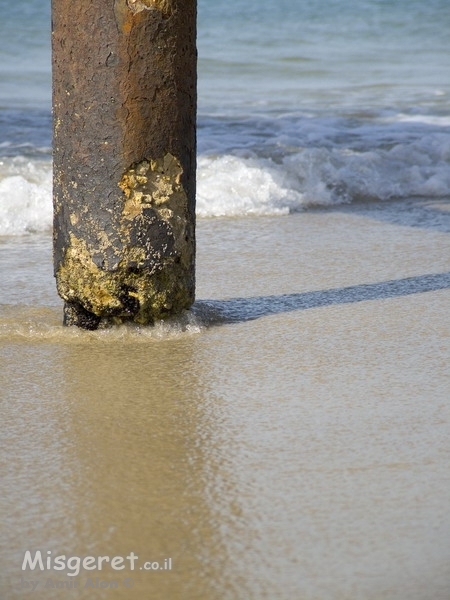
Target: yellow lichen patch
x,y
156,184
152,183
155,199
164,6
134,255
134,206
102,240
79,279
152,273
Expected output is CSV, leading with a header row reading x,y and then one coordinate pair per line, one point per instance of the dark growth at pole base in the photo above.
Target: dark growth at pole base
x,y
124,112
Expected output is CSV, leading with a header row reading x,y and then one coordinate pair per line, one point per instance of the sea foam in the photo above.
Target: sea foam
x,y
25,196
275,167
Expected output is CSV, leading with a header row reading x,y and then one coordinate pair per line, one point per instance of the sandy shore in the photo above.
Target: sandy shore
x,y
289,439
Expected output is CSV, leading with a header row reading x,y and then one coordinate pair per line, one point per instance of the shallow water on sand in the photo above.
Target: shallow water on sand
x,y
286,439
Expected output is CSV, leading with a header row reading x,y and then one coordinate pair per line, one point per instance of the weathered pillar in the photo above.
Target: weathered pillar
x,y
124,104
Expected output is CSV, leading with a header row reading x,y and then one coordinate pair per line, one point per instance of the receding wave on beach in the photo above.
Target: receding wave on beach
x,y
295,162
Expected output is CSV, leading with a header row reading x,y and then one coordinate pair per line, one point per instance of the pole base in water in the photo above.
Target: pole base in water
x,y
76,315
124,150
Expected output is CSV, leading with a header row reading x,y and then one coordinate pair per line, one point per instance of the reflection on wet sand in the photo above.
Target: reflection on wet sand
x,y
116,466
298,450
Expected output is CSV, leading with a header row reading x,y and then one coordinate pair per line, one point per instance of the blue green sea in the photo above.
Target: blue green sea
x,y
301,103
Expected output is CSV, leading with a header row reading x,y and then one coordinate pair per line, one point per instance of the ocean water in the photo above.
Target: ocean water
x,y
300,104
287,438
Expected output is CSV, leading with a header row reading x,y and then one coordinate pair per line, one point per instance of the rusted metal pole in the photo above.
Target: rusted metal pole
x,y
124,110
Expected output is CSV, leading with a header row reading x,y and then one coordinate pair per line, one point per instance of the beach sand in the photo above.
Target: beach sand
x,y
288,439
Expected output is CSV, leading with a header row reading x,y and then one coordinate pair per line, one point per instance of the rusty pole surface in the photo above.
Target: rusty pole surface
x,y
124,120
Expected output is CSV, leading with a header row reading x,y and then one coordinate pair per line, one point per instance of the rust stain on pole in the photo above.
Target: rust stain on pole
x,y
124,104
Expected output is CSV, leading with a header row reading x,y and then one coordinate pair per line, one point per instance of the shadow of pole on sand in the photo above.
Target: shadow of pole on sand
x,y
239,310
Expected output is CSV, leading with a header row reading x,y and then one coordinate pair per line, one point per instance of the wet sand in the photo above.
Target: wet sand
x,y
287,439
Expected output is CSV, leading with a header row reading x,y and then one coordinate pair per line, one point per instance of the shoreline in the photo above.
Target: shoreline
x,y
292,443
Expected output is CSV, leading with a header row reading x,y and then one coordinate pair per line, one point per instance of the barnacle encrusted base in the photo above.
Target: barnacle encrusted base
x,y
155,273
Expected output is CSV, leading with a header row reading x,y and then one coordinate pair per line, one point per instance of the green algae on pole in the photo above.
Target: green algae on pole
x,y
124,116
